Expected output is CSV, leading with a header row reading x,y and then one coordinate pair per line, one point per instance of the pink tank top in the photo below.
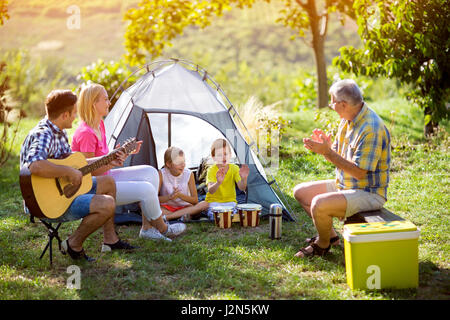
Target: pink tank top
x,y
170,181
85,140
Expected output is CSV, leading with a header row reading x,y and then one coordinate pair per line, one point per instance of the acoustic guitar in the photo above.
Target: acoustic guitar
x,y
51,197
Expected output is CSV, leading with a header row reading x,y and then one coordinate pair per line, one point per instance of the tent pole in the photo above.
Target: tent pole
x,y
169,130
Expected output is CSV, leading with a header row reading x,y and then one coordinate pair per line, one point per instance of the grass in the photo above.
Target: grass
x,y
207,263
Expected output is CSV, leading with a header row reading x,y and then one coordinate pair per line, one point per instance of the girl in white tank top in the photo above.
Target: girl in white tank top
x,y
172,184
177,190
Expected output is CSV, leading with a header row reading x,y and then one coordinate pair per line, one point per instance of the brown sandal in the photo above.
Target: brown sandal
x,y
317,251
332,240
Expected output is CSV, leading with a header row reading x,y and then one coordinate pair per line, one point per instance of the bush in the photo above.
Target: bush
x,y
305,91
110,75
6,113
31,79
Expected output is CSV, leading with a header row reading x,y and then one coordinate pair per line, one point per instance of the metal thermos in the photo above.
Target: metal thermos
x,y
275,218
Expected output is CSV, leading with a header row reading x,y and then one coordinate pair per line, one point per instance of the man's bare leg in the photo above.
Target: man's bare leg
x,y
323,208
305,192
101,210
106,185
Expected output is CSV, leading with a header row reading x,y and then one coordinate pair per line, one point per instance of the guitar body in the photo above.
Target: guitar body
x,y
51,197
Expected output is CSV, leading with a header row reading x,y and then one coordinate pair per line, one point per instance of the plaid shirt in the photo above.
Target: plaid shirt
x,y
45,141
367,143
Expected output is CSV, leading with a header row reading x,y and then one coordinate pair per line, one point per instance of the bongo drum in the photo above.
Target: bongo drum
x,y
222,216
235,217
249,214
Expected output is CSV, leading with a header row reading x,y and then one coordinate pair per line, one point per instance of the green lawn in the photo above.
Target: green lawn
x,y
207,263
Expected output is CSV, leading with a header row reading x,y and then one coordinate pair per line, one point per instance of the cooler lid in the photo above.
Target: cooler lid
x,y
380,227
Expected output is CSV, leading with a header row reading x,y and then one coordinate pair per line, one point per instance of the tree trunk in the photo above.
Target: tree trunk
x,y
318,44
431,126
319,54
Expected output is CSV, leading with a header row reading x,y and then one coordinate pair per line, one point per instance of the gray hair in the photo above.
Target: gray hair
x,y
346,90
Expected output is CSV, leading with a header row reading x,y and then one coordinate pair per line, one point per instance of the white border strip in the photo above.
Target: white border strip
x,y
379,237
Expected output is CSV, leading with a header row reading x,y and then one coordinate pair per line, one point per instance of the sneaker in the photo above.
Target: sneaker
x,y
175,229
75,255
119,245
152,233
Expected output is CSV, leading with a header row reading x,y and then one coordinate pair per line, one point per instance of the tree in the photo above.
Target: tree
x,y
408,41
3,80
314,15
5,112
5,109
155,23
3,11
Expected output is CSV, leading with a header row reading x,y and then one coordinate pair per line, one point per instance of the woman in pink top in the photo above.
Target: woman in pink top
x,y
133,184
177,190
86,138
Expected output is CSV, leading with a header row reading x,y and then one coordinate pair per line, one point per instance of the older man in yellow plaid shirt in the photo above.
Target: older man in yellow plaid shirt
x,y
361,154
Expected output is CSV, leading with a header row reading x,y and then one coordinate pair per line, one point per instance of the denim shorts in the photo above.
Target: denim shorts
x,y
80,206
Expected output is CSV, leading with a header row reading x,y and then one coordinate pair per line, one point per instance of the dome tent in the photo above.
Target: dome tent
x,y
174,104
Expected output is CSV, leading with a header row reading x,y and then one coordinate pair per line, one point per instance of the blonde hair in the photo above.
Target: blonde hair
x,y
219,144
88,96
171,153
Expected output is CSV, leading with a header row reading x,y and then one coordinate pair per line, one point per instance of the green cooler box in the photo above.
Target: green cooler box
x,y
381,255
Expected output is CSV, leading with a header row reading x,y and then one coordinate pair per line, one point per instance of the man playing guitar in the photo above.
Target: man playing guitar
x,y
48,140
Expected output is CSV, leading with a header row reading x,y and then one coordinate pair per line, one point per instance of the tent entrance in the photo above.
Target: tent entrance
x,y
187,132
176,103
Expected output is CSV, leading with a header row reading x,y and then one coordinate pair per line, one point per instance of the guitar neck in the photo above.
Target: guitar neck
x,y
98,163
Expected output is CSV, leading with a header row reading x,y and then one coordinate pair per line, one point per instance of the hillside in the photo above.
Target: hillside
x,y
41,27
250,35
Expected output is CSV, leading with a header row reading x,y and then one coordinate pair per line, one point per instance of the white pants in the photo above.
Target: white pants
x,y
138,184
